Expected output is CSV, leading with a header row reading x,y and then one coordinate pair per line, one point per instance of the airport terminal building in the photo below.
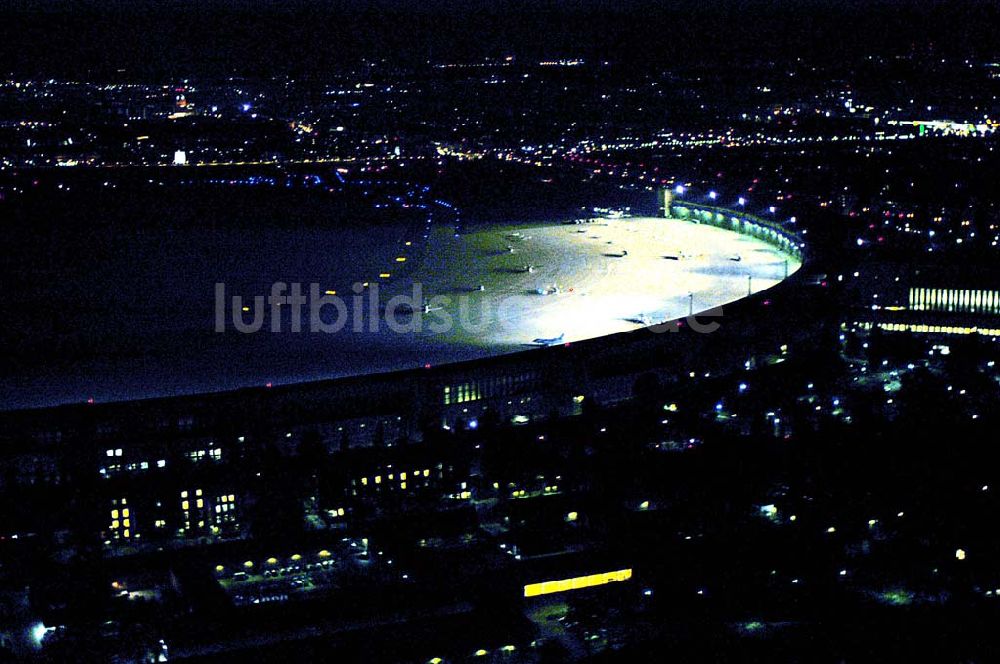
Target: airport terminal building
x,y
179,470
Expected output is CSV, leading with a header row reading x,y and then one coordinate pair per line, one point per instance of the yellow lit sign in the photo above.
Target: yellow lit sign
x,y
576,583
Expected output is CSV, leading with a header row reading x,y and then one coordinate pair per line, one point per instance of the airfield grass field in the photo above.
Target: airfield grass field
x,y
585,280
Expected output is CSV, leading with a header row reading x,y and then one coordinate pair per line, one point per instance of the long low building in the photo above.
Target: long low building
x,y
928,301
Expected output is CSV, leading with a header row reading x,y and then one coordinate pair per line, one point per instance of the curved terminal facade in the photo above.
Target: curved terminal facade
x,y
749,225
667,268
542,317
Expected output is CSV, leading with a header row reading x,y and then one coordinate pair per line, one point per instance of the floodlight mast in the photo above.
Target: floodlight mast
x,y
666,201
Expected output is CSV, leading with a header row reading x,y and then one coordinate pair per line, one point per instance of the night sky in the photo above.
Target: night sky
x,y
182,37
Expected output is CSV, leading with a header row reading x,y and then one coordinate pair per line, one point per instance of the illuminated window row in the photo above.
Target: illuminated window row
x,y
199,512
401,477
461,393
225,508
199,455
487,387
115,468
186,509
921,328
955,300
576,583
121,519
